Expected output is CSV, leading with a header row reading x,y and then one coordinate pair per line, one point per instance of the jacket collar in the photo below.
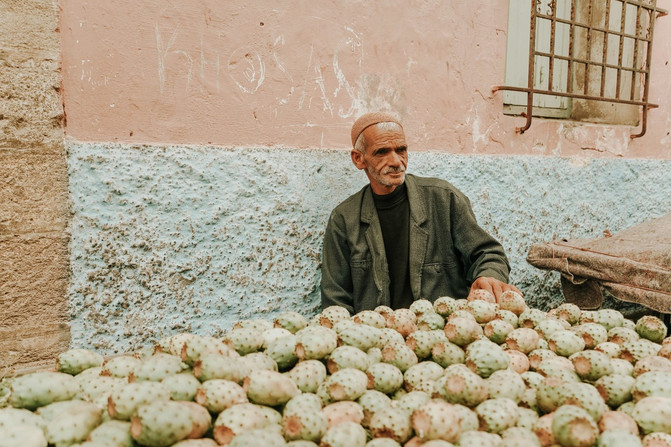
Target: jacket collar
x,y
417,211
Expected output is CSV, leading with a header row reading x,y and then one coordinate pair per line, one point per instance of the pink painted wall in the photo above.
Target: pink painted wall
x,y
296,74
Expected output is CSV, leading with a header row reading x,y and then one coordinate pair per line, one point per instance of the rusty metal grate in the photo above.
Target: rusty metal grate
x,y
608,55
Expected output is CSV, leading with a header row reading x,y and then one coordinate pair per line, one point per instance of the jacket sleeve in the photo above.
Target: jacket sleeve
x,y
336,282
481,253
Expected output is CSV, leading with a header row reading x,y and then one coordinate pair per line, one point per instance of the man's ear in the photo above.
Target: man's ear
x,y
357,159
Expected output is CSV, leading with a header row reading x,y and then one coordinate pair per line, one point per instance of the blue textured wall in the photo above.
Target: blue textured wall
x,y
168,239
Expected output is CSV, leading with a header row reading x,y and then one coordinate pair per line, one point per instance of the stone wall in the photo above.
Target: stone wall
x,y
34,205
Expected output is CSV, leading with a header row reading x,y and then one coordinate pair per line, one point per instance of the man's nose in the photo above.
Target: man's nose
x,y
394,158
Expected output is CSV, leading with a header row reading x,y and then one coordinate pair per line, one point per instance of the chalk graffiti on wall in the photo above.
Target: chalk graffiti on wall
x,y
281,72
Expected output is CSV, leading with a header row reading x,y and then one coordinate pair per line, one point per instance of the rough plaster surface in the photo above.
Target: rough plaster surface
x,y
34,206
297,74
186,238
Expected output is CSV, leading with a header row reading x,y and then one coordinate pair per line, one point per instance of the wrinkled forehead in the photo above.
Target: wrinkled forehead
x,y
385,134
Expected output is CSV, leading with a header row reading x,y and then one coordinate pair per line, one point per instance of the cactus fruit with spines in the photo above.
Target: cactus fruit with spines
x,y
460,385
531,317
657,439
615,389
609,348
290,320
158,366
444,306
22,436
370,402
216,366
422,342
121,366
161,424
635,350
71,425
245,416
361,336
436,419
651,363
315,342
618,438
42,388
124,401
463,330
618,377
332,315
518,361
114,433
303,419
389,336
483,357
409,401
415,376
621,366
347,434
566,342
405,323
399,355
270,388
483,311
651,328
391,422
346,356
584,395
308,375
446,353
653,414
653,383
430,321
74,361
384,377
370,318
508,317
282,351
590,364
513,302
617,420
219,394
497,330
573,426
550,325
592,334
506,383
343,411
497,414
344,384
196,346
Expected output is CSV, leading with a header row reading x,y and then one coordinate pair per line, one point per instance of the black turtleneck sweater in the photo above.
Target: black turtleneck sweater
x,y
393,211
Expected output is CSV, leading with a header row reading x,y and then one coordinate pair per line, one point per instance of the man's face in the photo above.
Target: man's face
x,y
385,160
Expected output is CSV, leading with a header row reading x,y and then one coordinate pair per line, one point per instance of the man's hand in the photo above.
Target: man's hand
x,y
493,285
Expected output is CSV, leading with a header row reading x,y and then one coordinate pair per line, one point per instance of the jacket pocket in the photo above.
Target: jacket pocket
x,y
442,278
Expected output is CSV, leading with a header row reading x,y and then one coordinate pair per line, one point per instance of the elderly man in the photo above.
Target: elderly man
x,y
403,237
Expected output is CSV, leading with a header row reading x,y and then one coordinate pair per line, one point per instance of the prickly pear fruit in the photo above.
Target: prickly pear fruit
x,y
391,422
573,426
42,388
74,361
269,388
436,419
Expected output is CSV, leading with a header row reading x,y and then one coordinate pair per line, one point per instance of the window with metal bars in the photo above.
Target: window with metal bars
x,y
585,60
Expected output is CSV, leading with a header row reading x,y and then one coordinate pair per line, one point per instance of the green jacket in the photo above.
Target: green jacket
x,y
448,249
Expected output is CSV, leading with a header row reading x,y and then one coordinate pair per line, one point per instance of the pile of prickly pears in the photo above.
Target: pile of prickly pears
x,y
466,373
